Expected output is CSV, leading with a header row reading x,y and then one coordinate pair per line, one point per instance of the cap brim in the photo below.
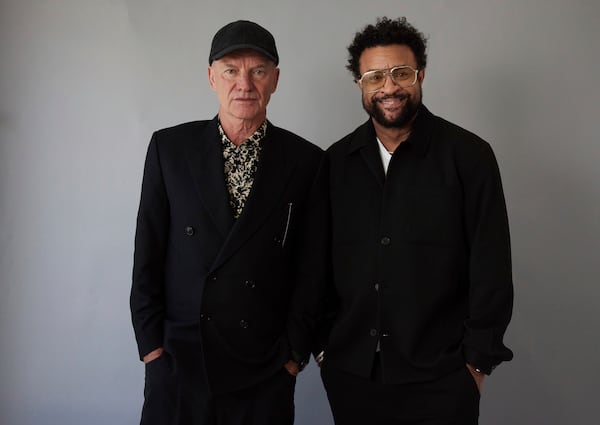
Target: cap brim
x,y
231,49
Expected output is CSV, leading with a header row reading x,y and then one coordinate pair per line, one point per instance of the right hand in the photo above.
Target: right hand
x,y
153,355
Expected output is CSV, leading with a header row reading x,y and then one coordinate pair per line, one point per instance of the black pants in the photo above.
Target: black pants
x,y
354,400
268,403
176,393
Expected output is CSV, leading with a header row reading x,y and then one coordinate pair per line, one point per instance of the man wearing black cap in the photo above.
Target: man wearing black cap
x,y
229,251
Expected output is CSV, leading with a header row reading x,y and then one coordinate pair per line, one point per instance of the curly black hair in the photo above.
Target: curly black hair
x,y
385,32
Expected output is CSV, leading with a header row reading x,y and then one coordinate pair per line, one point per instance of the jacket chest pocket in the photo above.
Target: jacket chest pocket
x,y
287,221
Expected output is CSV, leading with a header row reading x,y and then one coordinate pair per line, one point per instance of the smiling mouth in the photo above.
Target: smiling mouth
x,y
392,103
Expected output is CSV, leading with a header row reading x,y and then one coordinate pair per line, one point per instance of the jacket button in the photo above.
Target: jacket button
x,y
373,332
376,286
385,240
213,278
189,231
243,324
250,284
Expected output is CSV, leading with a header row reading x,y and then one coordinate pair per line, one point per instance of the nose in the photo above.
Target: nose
x,y
389,84
244,82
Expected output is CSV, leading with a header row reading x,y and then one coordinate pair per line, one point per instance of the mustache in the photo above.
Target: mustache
x,y
391,96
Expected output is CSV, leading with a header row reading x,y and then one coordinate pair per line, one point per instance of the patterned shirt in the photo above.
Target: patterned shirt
x,y
241,163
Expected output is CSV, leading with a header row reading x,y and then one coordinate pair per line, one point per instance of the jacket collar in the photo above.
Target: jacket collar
x,y
419,138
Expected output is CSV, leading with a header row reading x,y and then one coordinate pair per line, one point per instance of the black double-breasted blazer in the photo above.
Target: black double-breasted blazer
x,y
244,290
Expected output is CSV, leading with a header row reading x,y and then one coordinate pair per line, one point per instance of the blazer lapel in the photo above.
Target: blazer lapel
x,y
274,171
205,160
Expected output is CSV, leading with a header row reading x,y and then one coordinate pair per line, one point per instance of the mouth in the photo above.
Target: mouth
x,y
392,102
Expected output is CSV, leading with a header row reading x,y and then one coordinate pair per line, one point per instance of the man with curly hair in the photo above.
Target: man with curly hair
x,y
422,288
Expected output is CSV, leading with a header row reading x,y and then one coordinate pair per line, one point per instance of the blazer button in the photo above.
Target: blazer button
x,y
243,324
373,332
189,231
250,284
385,240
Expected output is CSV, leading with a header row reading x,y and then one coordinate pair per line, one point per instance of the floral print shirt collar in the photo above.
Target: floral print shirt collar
x,y
240,165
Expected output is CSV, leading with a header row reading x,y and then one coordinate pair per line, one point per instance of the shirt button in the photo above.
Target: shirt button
x,y
243,324
385,240
189,231
373,332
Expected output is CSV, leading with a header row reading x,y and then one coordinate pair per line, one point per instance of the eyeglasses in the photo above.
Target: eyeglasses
x,y
403,76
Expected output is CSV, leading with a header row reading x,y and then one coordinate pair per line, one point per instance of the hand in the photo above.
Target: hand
x,y
477,376
320,357
292,367
153,355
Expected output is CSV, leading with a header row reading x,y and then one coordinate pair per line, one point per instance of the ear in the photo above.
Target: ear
x,y
211,77
275,80
421,76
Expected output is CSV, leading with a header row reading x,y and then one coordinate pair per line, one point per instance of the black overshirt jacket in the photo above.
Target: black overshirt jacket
x,y
421,257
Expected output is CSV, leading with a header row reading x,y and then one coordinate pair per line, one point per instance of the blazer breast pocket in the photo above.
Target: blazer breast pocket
x,y
286,225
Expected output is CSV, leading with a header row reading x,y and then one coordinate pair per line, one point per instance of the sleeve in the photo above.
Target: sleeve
x,y
147,298
311,270
490,275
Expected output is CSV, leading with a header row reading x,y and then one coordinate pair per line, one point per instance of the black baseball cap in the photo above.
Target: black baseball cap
x,y
240,35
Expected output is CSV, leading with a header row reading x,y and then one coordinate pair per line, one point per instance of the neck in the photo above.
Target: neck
x,y
238,130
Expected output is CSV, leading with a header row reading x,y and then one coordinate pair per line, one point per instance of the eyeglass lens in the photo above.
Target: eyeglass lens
x,y
402,76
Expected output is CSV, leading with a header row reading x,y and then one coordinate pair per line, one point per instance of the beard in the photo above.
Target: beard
x,y
405,115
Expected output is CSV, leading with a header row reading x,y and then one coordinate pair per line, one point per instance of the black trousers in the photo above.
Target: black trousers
x,y
176,393
268,403
354,400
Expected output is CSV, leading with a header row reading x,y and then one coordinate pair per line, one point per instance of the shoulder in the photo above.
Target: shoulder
x,y
356,138
180,138
468,149
462,141
293,142
183,129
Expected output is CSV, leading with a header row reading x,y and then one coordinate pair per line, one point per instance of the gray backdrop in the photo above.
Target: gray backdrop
x,y
84,83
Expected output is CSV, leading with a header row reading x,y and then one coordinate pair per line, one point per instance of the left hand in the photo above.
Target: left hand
x,y
477,376
292,367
